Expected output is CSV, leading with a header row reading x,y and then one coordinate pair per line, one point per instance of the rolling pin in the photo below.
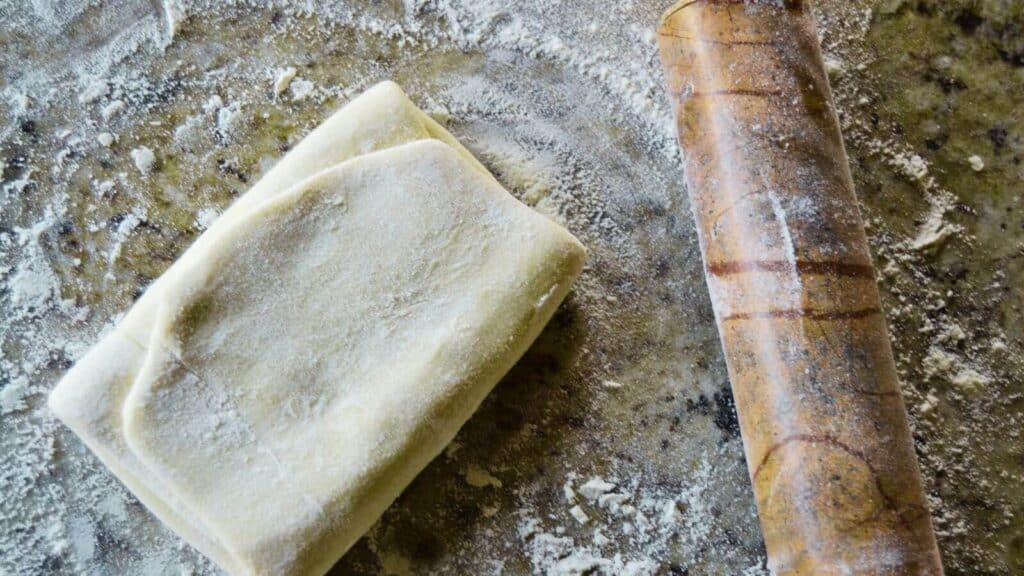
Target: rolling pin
x,y
793,288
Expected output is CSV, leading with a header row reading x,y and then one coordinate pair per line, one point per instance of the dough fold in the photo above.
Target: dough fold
x,y
276,389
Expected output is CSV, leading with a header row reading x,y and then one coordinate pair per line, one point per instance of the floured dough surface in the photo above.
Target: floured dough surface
x,y
280,385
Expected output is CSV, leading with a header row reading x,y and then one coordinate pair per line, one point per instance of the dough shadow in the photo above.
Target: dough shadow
x,y
518,432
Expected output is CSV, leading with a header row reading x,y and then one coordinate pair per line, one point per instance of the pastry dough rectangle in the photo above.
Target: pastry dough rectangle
x,y
289,375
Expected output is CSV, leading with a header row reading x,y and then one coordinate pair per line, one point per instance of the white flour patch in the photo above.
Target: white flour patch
x,y
283,80
144,160
621,539
12,396
33,286
120,234
188,136
301,88
935,229
206,217
230,122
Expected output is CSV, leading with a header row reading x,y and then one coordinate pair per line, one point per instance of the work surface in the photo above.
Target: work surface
x,y
612,447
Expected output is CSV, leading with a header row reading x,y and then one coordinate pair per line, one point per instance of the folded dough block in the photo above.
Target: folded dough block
x,y
278,387
90,396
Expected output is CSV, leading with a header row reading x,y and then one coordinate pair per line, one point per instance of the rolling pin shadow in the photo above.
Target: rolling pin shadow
x,y
793,289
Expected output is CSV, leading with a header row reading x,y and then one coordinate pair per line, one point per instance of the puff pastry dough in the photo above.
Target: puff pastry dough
x,y
278,387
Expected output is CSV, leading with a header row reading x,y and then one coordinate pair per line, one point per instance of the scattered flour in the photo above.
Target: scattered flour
x,y
911,165
641,533
968,378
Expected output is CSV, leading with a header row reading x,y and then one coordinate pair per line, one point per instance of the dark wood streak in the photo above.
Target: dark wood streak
x,y
794,5
747,92
810,439
826,268
888,500
719,42
808,313
890,394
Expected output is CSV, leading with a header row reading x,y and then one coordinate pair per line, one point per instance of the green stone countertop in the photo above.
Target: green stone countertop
x,y
612,447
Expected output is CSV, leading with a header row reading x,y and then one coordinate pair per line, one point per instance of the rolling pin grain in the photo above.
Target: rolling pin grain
x,y
793,289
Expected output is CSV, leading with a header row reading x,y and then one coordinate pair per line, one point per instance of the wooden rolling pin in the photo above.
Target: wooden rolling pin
x,y
793,288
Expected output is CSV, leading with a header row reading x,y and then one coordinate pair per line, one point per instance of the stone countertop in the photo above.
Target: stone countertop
x,y
613,445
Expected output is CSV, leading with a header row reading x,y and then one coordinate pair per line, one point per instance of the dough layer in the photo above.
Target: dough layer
x,y
274,391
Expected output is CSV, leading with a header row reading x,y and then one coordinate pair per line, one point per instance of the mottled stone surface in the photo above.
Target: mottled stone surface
x,y
562,102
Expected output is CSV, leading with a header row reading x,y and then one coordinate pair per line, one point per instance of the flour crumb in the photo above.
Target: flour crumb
x,y
595,488
188,136
477,477
120,234
213,103
103,188
174,14
34,285
206,217
957,371
969,379
93,92
12,396
930,403
834,66
567,490
614,502
578,513
283,80
111,110
911,165
230,122
935,230
301,89
144,160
